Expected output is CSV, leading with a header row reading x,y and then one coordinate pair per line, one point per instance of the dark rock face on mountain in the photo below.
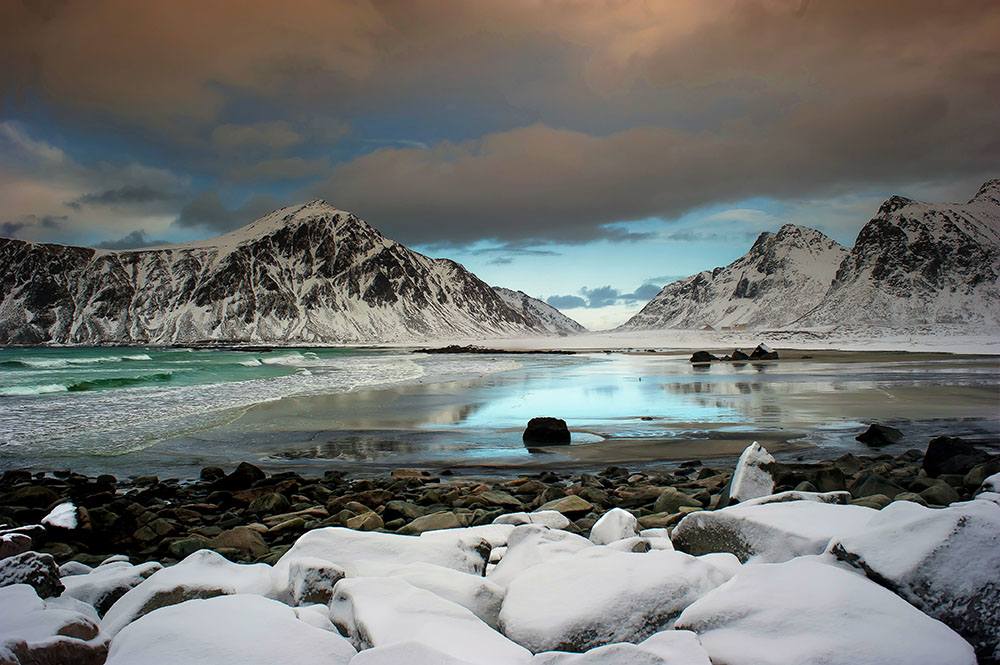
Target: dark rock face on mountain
x,y
550,317
305,274
913,263
782,277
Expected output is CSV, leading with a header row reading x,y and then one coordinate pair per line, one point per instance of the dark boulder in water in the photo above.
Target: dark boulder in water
x,y
879,435
546,432
702,357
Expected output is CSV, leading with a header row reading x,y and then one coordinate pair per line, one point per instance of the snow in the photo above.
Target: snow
x,y
616,524
62,516
551,318
203,574
550,518
945,562
808,611
532,544
770,532
408,652
227,630
311,579
380,611
841,497
599,596
751,480
668,647
991,484
30,625
108,582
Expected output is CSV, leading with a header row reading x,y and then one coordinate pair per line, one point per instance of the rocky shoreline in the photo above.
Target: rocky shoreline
x,y
64,533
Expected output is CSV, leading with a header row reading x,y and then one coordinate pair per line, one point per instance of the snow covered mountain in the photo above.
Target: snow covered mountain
x,y
304,274
921,263
913,263
781,278
551,318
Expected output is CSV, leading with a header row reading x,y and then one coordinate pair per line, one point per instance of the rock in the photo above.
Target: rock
x,y
533,544
571,506
242,478
249,630
626,598
204,574
879,435
406,651
807,611
182,548
738,356
30,496
67,517
546,432
910,496
440,520
763,352
269,504
549,518
367,521
842,498
396,508
212,473
12,544
616,524
848,464
375,612
939,495
37,632
311,580
875,501
39,571
670,500
979,473
668,647
497,498
945,562
104,585
752,476
947,454
870,483
702,357
769,532
242,539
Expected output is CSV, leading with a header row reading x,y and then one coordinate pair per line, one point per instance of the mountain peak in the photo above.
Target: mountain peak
x,y
990,191
894,203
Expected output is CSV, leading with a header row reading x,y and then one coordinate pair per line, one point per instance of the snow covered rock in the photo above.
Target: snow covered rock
x,y
477,594
549,518
599,596
494,534
616,524
410,653
668,647
104,585
311,580
991,484
34,633
12,544
227,630
769,532
204,574
64,516
808,611
350,549
945,562
532,544
752,476
839,497
36,570
378,611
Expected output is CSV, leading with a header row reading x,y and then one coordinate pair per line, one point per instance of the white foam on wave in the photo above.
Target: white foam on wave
x,y
26,391
251,363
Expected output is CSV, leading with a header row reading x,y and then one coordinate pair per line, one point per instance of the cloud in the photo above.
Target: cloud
x,y
134,240
285,168
13,228
127,194
602,296
566,302
643,293
271,136
208,211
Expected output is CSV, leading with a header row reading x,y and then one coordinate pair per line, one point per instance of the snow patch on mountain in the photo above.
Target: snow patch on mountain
x,y
550,318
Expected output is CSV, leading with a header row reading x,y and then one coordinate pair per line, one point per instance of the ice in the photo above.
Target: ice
x,y
945,562
751,479
616,524
227,630
377,611
105,584
549,518
532,544
808,611
203,574
668,647
599,596
62,516
769,532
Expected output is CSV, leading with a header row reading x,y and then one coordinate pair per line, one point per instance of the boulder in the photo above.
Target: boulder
x,y
945,562
549,518
752,477
879,435
769,532
29,496
668,647
738,356
626,597
311,580
245,540
947,454
763,352
870,484
444,519
670,501
33,631
271,503
808,611
39,571
103,586
702,357
244,629
532,544
407,651
380,611
546,432
616,524
12,544
571,506
242,478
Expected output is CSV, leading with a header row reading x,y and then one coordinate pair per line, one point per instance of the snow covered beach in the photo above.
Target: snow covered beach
x,y
874,559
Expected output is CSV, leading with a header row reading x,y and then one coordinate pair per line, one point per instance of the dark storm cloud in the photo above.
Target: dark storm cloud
x,y
127,194
209,212
134,240
12,228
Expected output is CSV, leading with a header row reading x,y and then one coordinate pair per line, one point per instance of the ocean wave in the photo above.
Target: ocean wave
x,y
56,363
27,391
250,363
119,382
284,359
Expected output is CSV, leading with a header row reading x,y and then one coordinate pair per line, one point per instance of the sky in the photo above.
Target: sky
x,y
586,152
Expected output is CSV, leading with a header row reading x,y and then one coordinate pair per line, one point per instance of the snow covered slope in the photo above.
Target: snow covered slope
x,y
912,264
551,318
304,274
781,278
916,263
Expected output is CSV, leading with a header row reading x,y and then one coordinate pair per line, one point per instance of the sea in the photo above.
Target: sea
x,y
169,411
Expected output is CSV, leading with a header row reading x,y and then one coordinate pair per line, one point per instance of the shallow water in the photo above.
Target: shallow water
x,y
366,410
